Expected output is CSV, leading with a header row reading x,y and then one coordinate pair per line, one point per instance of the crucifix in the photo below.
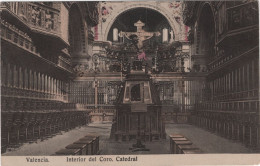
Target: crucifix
x,y
140,33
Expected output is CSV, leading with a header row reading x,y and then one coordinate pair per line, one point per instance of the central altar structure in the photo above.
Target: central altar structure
x,y
138,108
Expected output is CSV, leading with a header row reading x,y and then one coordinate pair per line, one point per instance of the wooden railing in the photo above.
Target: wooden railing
x,y
17,37
32,94
227,58
238,95
233,106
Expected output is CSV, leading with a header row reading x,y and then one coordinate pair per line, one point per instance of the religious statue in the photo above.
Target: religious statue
x,y
140,35
36,17
48,20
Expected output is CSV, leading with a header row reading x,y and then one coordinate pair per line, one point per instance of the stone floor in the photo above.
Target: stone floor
x,y
206,141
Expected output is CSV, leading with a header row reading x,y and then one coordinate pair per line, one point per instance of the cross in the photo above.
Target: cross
x,y
140,33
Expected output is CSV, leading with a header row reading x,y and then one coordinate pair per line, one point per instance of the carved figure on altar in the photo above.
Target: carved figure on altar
x,y
139,36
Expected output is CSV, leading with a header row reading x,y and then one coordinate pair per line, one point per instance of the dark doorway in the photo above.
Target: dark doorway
x,y
135,93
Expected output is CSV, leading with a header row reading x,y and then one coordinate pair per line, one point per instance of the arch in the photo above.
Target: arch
x,y
203,5
200,9
171,21
77,31
76,4
206,30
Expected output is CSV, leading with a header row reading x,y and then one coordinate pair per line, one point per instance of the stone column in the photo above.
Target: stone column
x,y
35,80
30,79
55,86
58,87
52,88
25,78
49,84
43,83
15,76
61,92
39,82
8,75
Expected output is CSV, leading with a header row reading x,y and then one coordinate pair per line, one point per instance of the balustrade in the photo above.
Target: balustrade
x,y
230,106
224,59
32,94
250,94
17,37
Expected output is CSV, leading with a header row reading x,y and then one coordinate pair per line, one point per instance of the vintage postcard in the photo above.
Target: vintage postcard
x,y
130,83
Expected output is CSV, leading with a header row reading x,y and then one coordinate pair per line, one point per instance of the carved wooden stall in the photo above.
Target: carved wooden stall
x,y
36,68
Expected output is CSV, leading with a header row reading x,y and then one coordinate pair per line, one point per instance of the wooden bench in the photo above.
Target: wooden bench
x,y
66,152
88,143
177,143
181,145
171,141
174,146
82,147
95,142
176,136
180,148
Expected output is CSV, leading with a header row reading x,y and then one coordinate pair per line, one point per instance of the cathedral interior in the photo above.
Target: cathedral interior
x,y
147,77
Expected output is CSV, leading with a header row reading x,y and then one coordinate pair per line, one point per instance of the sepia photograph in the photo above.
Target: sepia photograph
x,y
120,79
